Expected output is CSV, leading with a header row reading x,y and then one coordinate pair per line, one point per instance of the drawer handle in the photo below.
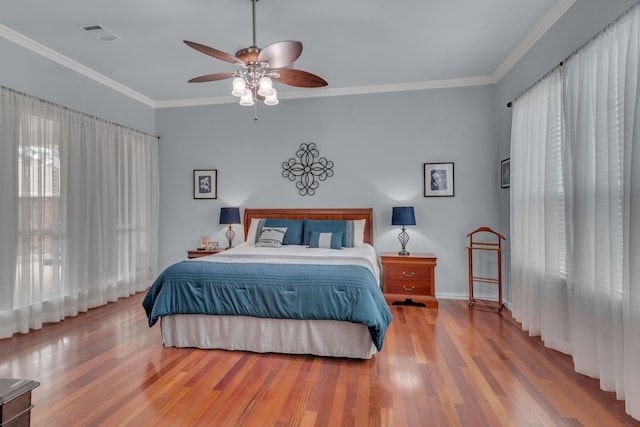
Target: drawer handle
x,y
408,275
407,288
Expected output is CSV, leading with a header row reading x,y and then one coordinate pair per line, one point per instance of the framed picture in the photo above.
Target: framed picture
x,y
205,184
505,173
438,180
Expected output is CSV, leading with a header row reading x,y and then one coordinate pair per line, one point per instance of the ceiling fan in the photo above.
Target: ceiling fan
x,y
256,68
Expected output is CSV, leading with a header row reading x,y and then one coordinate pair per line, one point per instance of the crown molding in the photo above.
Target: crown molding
x,y
69,63
346,91
542,26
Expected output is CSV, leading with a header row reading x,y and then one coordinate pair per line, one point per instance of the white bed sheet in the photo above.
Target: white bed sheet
x,y
363,255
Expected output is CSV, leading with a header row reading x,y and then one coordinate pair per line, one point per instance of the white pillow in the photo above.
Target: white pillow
x,y
271,237
253,230
358,232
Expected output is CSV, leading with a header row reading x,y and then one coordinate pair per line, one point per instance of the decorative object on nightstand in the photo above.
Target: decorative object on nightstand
x,y
485,239
403,215
230,216
409,278
204,241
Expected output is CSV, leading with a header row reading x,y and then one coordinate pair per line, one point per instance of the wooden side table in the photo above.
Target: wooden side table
x,y
15,401
409,277
197,253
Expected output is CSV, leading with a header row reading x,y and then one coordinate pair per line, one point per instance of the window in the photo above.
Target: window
x,y
39,218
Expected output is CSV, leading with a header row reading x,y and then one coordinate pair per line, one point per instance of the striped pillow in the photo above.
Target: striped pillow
x,y
353,230
326,240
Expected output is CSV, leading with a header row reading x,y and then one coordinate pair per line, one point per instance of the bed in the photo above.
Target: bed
x,y
309,298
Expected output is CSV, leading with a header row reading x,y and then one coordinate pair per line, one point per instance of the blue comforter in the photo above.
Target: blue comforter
x,y
292,291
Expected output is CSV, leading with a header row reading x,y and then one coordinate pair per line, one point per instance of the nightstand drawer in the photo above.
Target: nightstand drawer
x,y
408,273
408,288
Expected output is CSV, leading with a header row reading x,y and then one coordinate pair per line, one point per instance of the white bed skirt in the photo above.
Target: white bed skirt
x,y
319,337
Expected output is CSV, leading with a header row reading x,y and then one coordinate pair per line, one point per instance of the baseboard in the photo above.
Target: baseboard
x,y
465,297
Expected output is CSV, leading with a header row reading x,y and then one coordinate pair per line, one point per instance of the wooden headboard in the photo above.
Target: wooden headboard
x,y
314,213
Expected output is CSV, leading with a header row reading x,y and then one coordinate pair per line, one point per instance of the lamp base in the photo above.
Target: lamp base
x,y
230,234
403,238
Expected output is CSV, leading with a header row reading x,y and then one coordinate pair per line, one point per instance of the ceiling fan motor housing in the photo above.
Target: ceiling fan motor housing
x,y
249,55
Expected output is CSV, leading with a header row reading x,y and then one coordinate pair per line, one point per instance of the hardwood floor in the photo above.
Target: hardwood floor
x,y
439,367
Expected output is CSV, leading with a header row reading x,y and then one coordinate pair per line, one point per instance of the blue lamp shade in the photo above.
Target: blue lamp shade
x,y
403,215
229,215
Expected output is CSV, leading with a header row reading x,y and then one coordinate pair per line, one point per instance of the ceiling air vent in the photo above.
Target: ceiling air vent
x,y
99,32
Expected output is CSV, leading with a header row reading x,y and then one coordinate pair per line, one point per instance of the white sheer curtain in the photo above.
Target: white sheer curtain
x,y
575,210
78,219
538,243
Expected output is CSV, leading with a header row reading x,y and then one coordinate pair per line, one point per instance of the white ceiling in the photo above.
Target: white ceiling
x,y
358,46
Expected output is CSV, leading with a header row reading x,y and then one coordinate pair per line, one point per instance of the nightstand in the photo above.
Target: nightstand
x,y
197,253
15,401
409,277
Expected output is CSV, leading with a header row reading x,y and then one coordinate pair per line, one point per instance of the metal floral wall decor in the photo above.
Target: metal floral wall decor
x,y
307,169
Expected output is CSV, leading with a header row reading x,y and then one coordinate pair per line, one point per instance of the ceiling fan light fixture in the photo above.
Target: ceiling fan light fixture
x,y
272,99
266,87
246,100
239,87
257,68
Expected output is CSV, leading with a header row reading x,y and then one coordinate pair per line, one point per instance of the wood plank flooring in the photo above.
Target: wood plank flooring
x,y
439,367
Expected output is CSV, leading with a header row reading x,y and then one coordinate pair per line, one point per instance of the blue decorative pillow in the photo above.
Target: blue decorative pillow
x,y
353,230
326,240
294,229
322,226
271,237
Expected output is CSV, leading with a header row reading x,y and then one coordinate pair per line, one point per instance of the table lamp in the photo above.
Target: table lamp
x,y
230,216
403,215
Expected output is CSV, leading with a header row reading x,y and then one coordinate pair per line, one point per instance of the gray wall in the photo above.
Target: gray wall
x,y
378,143
30,73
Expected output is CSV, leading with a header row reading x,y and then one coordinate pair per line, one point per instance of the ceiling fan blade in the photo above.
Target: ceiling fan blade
x,y
218,54
281,54
299,78
212,77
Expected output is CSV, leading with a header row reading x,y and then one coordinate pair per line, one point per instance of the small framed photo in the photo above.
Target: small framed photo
x,y
205,184
505,173
438,180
